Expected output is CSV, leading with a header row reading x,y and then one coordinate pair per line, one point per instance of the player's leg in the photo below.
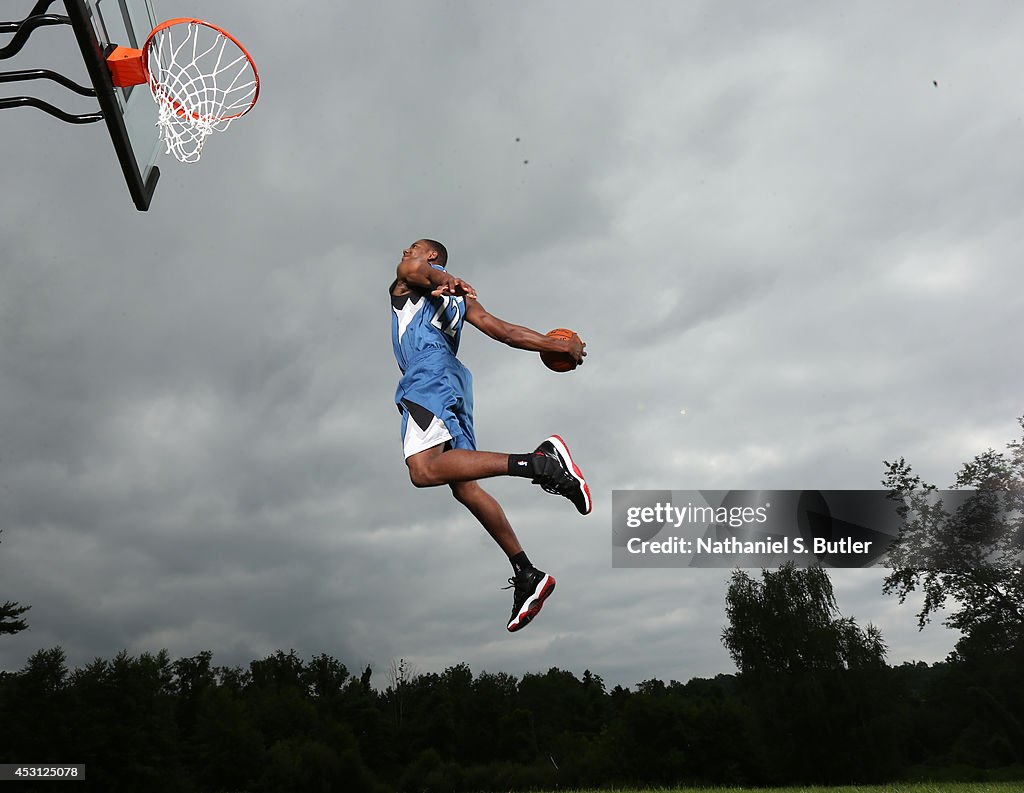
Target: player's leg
x,y
437,409
486,509
434,466
550,465
531,586
440,448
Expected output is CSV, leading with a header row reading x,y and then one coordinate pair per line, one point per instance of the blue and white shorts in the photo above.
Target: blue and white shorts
x,y
435,397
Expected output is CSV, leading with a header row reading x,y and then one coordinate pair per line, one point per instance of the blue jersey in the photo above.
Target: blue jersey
x,y
421,322
425,334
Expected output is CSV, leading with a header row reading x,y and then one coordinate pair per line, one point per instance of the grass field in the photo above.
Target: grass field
x,y
896,787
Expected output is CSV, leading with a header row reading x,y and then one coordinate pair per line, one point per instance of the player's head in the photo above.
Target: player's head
x,y
439,249
427,252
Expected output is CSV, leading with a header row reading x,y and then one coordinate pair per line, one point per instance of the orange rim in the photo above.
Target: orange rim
x,y
192,21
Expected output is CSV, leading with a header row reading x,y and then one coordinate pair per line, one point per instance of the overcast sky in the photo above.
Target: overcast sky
x,y
790,234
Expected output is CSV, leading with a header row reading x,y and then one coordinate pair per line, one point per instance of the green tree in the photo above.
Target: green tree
x,y
122,715
33,709
812,679
972,555
278,697
789,622
10,617
967,559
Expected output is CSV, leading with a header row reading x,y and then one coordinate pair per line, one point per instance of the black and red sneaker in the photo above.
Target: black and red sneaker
x,y
532,587
558,474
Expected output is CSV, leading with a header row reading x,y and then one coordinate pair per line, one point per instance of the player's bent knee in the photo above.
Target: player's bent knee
x,y
420,475
420,479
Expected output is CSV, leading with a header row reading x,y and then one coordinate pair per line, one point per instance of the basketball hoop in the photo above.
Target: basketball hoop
x,y
201,77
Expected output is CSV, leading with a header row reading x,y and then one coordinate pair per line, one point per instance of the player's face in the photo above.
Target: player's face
x,y
418,251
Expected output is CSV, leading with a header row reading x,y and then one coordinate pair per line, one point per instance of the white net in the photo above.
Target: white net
x,y
201,80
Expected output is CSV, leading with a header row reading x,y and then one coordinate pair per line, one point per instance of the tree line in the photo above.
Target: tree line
x,y
150,723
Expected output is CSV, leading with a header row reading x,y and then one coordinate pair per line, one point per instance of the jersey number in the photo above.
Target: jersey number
x,y
449,313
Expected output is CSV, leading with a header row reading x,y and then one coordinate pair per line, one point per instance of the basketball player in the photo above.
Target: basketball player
x,y
435,398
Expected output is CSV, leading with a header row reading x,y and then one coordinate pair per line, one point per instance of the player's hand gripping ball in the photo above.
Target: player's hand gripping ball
x,y
559,361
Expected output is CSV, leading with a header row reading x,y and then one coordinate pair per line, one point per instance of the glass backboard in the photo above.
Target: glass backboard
x,y
130,113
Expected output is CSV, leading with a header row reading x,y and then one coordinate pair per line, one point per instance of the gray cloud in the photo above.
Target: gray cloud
x,y
790,253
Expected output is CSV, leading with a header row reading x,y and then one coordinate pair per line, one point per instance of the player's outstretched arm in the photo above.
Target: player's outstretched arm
x,y
519,336
420,275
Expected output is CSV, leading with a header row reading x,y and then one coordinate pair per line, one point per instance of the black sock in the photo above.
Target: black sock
x,y
521,465
520,562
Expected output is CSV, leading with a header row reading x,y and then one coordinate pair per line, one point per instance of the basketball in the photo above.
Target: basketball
x,y
559,361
